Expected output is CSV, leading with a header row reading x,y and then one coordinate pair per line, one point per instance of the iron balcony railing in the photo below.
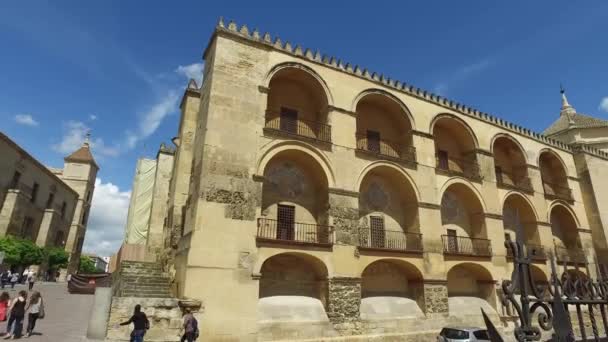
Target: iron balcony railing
x,y
386,148
390,240
535,252
572,255
461,245
513,181
557,191
294,232
456,166
298,127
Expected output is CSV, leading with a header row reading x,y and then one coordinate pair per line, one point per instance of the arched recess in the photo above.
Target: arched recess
x,y
554,176
518,213
391,288
388,210
510,163
293,286
463,220
297,102
455,146
294,199
384,125
564,228
470,287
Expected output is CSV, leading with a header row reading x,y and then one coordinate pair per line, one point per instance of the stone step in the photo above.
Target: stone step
x,y
127,287
146,294
146,290
144,279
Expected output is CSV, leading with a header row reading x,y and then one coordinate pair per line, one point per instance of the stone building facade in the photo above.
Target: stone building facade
x,y
49,206
312,198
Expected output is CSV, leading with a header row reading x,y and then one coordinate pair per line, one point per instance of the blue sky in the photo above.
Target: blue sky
x,y
118,68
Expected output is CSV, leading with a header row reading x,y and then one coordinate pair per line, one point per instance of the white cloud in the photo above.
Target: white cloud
x,y
604,104
461,74
92,117
106,227
25,119
74,135
194,71
152,118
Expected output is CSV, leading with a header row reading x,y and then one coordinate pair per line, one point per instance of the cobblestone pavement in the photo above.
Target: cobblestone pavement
x,y
67,315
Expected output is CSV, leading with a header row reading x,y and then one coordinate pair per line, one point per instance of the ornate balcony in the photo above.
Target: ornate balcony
x,y
461,245
556,191
467,168
512,181
310,130
570,255
536,252
390,240
297,233
386,149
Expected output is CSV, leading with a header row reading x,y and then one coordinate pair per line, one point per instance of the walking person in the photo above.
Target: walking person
x,y
16,310
35,311
4,301
140,324
4,277
190,327
14,279
31,278
26,272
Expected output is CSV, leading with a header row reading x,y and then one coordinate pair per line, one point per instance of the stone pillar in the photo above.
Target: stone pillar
x,y
436,298
45,227
344,215
9,212
98,321
343,304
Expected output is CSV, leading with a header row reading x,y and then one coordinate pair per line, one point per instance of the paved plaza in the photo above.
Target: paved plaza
x,y
67,315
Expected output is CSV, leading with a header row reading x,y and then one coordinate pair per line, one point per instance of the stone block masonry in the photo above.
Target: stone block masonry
x,y
436,299
343,305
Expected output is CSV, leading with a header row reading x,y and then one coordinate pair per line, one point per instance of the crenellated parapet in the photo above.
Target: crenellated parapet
x,y
298,51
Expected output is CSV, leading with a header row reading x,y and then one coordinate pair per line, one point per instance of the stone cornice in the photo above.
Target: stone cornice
x,y
493,216
423,134
345,279
257,178
541,223
484,152
584,230
343,192
435,281
535,167
572,178
266,41
341,110
429,205
263,89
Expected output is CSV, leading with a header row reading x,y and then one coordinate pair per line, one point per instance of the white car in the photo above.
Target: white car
x,y
453,334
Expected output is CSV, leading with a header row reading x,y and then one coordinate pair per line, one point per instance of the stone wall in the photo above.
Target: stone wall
x,y
344,210
164,315
436,299
344,302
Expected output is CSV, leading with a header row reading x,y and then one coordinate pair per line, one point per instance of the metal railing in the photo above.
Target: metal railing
x,y
462,245
390,240
386,148
573,255
457,166
557,191
294,232
304,128
514,181
535,252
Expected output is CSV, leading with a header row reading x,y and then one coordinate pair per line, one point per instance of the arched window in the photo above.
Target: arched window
x,y
455,148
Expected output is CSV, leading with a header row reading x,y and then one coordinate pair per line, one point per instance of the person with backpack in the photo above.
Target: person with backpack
x,y
14,326
140,324
190,327
35,311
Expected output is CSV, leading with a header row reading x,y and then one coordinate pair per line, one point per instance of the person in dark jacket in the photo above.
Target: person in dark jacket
x,y
14,326
140,324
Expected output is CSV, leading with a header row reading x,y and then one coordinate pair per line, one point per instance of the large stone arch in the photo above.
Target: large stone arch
x,y
304,68
517,209
564,226
391,288
470,287
553,154
456,147
407,177
510,163
554,175
390,96
512,139
458,120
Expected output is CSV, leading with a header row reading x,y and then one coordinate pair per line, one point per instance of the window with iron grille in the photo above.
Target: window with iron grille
x,y
285,222
377,231
289,120
443,161
452,241
373,141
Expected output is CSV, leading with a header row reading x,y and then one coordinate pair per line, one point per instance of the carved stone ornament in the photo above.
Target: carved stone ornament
x,y
451,208
376,196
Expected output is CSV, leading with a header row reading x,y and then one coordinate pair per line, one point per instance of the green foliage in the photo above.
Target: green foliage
x,y
57,257
87,265
20,252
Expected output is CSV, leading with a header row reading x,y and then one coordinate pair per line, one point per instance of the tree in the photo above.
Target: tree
x,y
87,265
20,252
57,257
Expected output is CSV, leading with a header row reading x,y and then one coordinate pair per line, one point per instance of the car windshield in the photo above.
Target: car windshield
x,y
455,334
481,334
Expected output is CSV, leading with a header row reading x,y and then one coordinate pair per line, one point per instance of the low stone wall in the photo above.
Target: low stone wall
x,y
164,314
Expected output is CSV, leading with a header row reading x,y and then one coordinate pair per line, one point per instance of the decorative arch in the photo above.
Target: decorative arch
x,y
387,94
457,119
476,267
408,266
525,198
555,154
511,138
319,157
294,65
560,203
468,184
320,265
408,178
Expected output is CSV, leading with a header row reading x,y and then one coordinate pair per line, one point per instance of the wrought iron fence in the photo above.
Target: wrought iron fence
x,y
536,252
304,128
386,148
468,168
462,245
557,191
390,240
514,181
571,255
294,232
